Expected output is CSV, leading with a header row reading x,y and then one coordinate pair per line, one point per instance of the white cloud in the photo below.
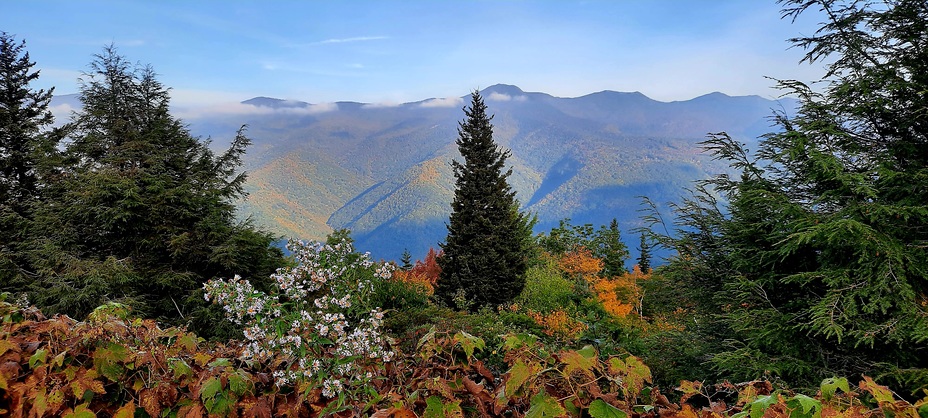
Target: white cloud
x,y
380,105
234,108
502,97
443,102
353,39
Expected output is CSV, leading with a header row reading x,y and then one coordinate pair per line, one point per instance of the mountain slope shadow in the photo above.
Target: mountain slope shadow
x,y
560,173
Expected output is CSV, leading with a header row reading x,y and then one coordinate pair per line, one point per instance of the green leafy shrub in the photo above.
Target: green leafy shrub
x,y
546,288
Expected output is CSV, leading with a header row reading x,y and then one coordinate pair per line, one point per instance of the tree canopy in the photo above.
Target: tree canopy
x,y
135,209
817,256
26,144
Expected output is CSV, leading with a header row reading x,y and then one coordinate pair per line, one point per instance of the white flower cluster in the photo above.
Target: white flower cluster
x,y
238,298
318,323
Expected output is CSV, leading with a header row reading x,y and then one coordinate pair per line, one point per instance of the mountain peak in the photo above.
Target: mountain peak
x,y
274,103
715,95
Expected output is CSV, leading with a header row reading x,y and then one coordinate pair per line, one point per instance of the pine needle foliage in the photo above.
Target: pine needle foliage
x,y
140,211
26,144
484,259
818,260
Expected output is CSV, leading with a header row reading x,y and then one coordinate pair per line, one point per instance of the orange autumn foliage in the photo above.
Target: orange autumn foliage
x,y
620,295
580,262
558,324
424,273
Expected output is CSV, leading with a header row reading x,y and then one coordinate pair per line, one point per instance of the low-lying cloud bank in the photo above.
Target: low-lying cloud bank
x,y
443,102
243,109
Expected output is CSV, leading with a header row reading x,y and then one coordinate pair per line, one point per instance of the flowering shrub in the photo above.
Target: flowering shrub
x,y
316,329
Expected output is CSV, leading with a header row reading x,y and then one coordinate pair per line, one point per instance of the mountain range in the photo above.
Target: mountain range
x,y
383,170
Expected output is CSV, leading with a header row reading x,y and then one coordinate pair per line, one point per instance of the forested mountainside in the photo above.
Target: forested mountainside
x,y
383,171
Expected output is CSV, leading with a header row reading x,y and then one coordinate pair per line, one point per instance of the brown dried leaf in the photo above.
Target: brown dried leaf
x,y
483,370
7,345
10,369
126,411
255,408
148,399
192,411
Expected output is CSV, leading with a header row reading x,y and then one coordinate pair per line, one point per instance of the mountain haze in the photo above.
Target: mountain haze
x,y
384,172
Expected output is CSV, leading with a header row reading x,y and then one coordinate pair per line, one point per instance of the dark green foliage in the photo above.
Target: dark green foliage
x,y
644,255
406,260
818,263
141,212
25,147
339,236
681,347
24,115
607,245
484,258
566,237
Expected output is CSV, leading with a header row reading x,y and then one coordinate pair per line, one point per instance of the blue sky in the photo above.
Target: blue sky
x,y
212,52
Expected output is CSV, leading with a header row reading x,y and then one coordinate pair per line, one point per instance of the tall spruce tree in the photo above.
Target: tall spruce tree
x,y
143,212
25,144
484,259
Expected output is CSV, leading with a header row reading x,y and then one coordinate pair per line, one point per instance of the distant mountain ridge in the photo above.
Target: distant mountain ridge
x,y
383,170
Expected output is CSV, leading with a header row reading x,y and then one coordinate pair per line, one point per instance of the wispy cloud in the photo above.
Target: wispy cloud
x,y
195,104
353,39
380,105
502,97
239,109
443,102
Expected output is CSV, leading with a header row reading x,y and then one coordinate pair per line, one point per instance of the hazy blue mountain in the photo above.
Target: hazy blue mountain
x,y
383,170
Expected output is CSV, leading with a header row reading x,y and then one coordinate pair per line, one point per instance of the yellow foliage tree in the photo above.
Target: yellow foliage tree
x,y
621,295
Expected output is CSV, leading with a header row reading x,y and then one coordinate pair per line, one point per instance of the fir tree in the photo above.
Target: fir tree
x,y
484,257
23,116
607,246
25,145
644,256
406,260
143,212
819,260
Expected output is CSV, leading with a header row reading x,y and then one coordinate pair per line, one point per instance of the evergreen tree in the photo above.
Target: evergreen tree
x,y
484,257
25,144
142,211
607,246
406,260
644,257
23,116
820,264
